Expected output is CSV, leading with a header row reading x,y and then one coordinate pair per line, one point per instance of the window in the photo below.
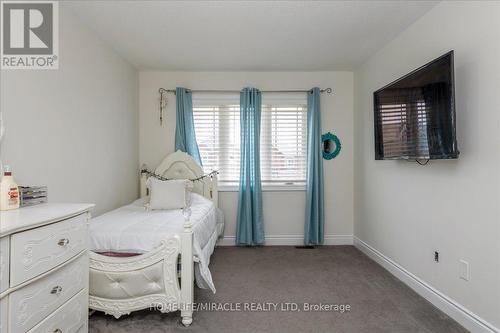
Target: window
x,y
217,128
283,143
283,140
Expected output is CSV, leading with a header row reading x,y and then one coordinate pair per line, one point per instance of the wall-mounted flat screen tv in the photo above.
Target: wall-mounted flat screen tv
x,y
415,115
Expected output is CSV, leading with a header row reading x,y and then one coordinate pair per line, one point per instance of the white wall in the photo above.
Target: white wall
x,y
283,211
407,211
74,129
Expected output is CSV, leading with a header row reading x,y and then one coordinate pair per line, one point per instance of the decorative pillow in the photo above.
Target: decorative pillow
x,y
168,194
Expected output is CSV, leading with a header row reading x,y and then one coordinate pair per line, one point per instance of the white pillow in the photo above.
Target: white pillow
x,y
168,194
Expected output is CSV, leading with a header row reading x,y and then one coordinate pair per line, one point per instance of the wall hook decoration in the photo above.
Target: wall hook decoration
x,y
163,103
331,146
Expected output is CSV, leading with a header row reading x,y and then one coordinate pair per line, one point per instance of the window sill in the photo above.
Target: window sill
x,y
265,188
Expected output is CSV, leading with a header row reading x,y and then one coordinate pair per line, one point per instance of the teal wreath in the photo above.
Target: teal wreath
x,y
338,146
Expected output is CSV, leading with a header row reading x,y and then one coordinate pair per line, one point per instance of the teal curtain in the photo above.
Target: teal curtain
x,y
250,225
315,216
185,136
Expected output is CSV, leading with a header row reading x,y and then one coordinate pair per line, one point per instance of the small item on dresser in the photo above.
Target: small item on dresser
x,y
9,191
33,195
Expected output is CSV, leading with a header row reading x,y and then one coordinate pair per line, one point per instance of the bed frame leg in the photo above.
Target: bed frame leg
x,y
187,320
187,270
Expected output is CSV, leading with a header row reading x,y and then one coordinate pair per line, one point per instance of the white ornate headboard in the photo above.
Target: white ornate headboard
x,y
180,165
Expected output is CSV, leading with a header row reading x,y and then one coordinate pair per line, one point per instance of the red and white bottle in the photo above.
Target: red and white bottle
x,y
9,191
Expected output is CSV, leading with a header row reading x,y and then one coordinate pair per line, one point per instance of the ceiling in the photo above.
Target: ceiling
x,y
248,35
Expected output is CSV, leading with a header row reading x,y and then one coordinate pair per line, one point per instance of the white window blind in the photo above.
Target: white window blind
x,y
217,130
283,148
283,143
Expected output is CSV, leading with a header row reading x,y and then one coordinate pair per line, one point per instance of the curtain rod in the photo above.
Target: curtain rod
x,y
327,90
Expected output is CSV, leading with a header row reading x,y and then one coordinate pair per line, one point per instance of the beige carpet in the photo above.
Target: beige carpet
x,y
335,275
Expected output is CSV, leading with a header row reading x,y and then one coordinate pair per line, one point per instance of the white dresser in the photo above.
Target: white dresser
x,y
44,269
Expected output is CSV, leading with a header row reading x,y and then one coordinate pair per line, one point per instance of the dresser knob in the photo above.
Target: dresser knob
x,y
56,290
63,242
57,330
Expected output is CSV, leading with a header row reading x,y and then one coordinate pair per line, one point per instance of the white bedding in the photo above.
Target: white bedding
x,y
133,229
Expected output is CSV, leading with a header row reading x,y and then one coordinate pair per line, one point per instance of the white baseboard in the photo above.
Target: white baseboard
x,y
466,318
292,240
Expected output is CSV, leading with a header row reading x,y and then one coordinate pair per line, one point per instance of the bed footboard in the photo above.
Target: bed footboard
x,y
121,285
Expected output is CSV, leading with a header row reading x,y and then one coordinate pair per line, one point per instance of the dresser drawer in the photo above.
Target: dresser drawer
x,y
39,250
32,303
4,263
4,314
69,318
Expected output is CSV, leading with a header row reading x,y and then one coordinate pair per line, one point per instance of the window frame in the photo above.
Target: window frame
x,y
268,99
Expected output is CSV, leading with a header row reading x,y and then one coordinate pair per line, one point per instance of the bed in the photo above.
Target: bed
x,y
144,259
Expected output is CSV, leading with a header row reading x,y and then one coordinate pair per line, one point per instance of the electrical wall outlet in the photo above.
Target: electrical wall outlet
x,y
464,270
